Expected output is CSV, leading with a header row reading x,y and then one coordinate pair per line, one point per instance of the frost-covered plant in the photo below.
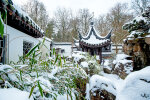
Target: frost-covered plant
x,y
87,62
45,78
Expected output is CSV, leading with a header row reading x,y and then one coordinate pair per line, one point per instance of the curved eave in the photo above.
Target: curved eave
x,y
92,31
108,36
82,43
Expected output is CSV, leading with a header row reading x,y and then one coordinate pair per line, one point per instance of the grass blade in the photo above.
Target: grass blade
x,y
31,91
40,89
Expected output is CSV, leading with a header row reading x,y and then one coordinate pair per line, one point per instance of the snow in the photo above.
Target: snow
x,y
139,18
77,55
84,64
106,64
147,36
102,83
136,86
77,44
133,33
94,40
121,58
5,67
14,94
87,97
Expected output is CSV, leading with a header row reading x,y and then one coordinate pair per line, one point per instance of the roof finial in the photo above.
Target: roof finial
x,y
91,19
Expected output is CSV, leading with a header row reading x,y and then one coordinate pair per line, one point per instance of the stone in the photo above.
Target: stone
x,y
102,95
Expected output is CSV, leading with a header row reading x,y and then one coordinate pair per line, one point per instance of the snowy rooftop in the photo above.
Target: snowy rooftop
x,y
93,38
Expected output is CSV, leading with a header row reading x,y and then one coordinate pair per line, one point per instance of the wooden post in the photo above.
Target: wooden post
x,y
100,54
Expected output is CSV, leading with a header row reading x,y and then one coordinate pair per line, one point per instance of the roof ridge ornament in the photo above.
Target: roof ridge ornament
x,y
91,19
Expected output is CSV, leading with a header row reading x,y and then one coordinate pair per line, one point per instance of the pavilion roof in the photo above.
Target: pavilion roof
x,y
94,39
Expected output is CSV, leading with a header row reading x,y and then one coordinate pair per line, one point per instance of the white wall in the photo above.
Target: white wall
x,y
45,49
66,47
15,43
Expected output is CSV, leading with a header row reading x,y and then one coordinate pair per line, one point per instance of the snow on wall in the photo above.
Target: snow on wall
x,y
15,43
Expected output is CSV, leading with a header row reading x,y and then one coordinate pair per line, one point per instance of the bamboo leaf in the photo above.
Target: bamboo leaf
x,y
56,59
53,51
31,51
31,91
1,26
21,75
60,62
40,89
64,59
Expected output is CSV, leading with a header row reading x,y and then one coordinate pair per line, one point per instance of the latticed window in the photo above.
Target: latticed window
x,y
26,47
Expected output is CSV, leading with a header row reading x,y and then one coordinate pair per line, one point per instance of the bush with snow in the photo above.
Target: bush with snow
x,y
139,26
42,78
87,62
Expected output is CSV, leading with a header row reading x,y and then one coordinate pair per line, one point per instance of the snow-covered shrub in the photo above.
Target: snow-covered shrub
x,y
136,86
42,78
139,26
87,62
79,56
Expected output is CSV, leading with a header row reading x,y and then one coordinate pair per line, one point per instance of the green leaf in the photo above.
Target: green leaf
x,y
40,89
53,51
21,75
60,62
1,26
1,79
64,59
31,91
56,59
31,51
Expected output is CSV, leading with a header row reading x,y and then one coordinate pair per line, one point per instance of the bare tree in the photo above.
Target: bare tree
x,y
103,25
117,17
84,16
140,5
37,11
62,23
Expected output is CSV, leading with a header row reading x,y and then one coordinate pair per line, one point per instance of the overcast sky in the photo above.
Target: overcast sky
x,y
97,6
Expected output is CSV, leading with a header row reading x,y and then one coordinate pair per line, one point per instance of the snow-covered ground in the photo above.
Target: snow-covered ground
x,y
136,86
14,94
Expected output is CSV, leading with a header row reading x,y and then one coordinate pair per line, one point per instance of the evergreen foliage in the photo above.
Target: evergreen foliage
x,y
140,25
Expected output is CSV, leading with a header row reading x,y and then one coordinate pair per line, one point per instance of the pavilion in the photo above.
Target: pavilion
x,y
94,43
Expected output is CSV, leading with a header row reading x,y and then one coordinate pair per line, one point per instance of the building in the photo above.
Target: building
x,y
94,43
63,48
21,33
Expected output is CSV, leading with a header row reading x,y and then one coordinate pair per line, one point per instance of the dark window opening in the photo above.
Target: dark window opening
x,y
62,51
26,47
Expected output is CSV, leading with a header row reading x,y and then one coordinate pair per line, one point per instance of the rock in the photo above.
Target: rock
x,y
107,70
102,95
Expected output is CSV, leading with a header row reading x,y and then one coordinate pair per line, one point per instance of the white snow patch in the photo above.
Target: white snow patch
x,y
102,83
136,86
14,94
5,67
84,64
121,58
